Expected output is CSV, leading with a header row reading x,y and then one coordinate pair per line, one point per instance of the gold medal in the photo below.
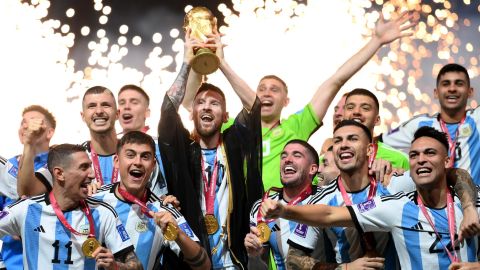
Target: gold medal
x,y
89,246
211,224
171,232
264,231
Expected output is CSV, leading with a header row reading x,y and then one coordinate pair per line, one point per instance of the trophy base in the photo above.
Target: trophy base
x,y
205,62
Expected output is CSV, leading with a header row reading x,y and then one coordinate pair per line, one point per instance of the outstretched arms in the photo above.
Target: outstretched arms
x,y
310,214
385,32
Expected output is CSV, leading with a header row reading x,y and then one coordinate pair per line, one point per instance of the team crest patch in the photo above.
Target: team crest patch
x,y
85,229
301,230
141,226
185,228
3,214
465,130
365,206
277,132
123,233
13,171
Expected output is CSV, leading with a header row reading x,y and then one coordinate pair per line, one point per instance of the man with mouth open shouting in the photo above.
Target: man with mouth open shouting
x,y
136,204
64,228
273,94
133,111
216,176
423,223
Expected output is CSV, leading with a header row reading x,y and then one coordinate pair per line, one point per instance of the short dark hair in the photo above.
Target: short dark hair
x,y
135,88
275,77
98,90
48,115
310,149
136,137
344,123
430,132
210,87
60,155
364,92
453,68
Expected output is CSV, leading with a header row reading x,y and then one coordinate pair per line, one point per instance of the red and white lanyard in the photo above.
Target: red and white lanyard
x,y
346,199
130,198
63,220
451,223
98,171
451,143
209,188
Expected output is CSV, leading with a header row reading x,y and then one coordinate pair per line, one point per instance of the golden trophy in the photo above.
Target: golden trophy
x,y
202,23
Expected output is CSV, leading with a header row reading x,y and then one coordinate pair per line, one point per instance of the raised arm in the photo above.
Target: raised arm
x,y
193,83
241,88
27,183
310,214
385,32
176,93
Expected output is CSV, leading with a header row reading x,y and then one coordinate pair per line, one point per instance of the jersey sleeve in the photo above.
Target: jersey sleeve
x,y
401,137
254,212
305,238
44,175
401,183
376,214
11,218
305,122
182,224
8,182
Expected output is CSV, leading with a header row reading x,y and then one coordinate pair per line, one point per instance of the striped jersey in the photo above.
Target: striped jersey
x,y
12,247
49,245
417,245
146,236
346,242
280,231
9,173
467,147
219,240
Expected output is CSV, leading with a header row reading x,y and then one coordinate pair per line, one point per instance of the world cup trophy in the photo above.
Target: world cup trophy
x,y
201,22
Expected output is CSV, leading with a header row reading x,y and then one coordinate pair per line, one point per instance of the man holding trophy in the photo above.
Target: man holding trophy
x,y
216,176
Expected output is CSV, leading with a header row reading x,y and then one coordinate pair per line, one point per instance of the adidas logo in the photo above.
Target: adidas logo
x,y
275,228
418,226
39,229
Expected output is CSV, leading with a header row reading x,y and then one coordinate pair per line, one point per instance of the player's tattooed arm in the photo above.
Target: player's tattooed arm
x,y
129,262
463,185
177,90
467,192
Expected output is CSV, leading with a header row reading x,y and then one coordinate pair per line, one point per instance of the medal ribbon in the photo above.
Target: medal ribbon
x,y
451,224
132,199
98,171
63,220
372,157
302,196
209,189
367,237
451,143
